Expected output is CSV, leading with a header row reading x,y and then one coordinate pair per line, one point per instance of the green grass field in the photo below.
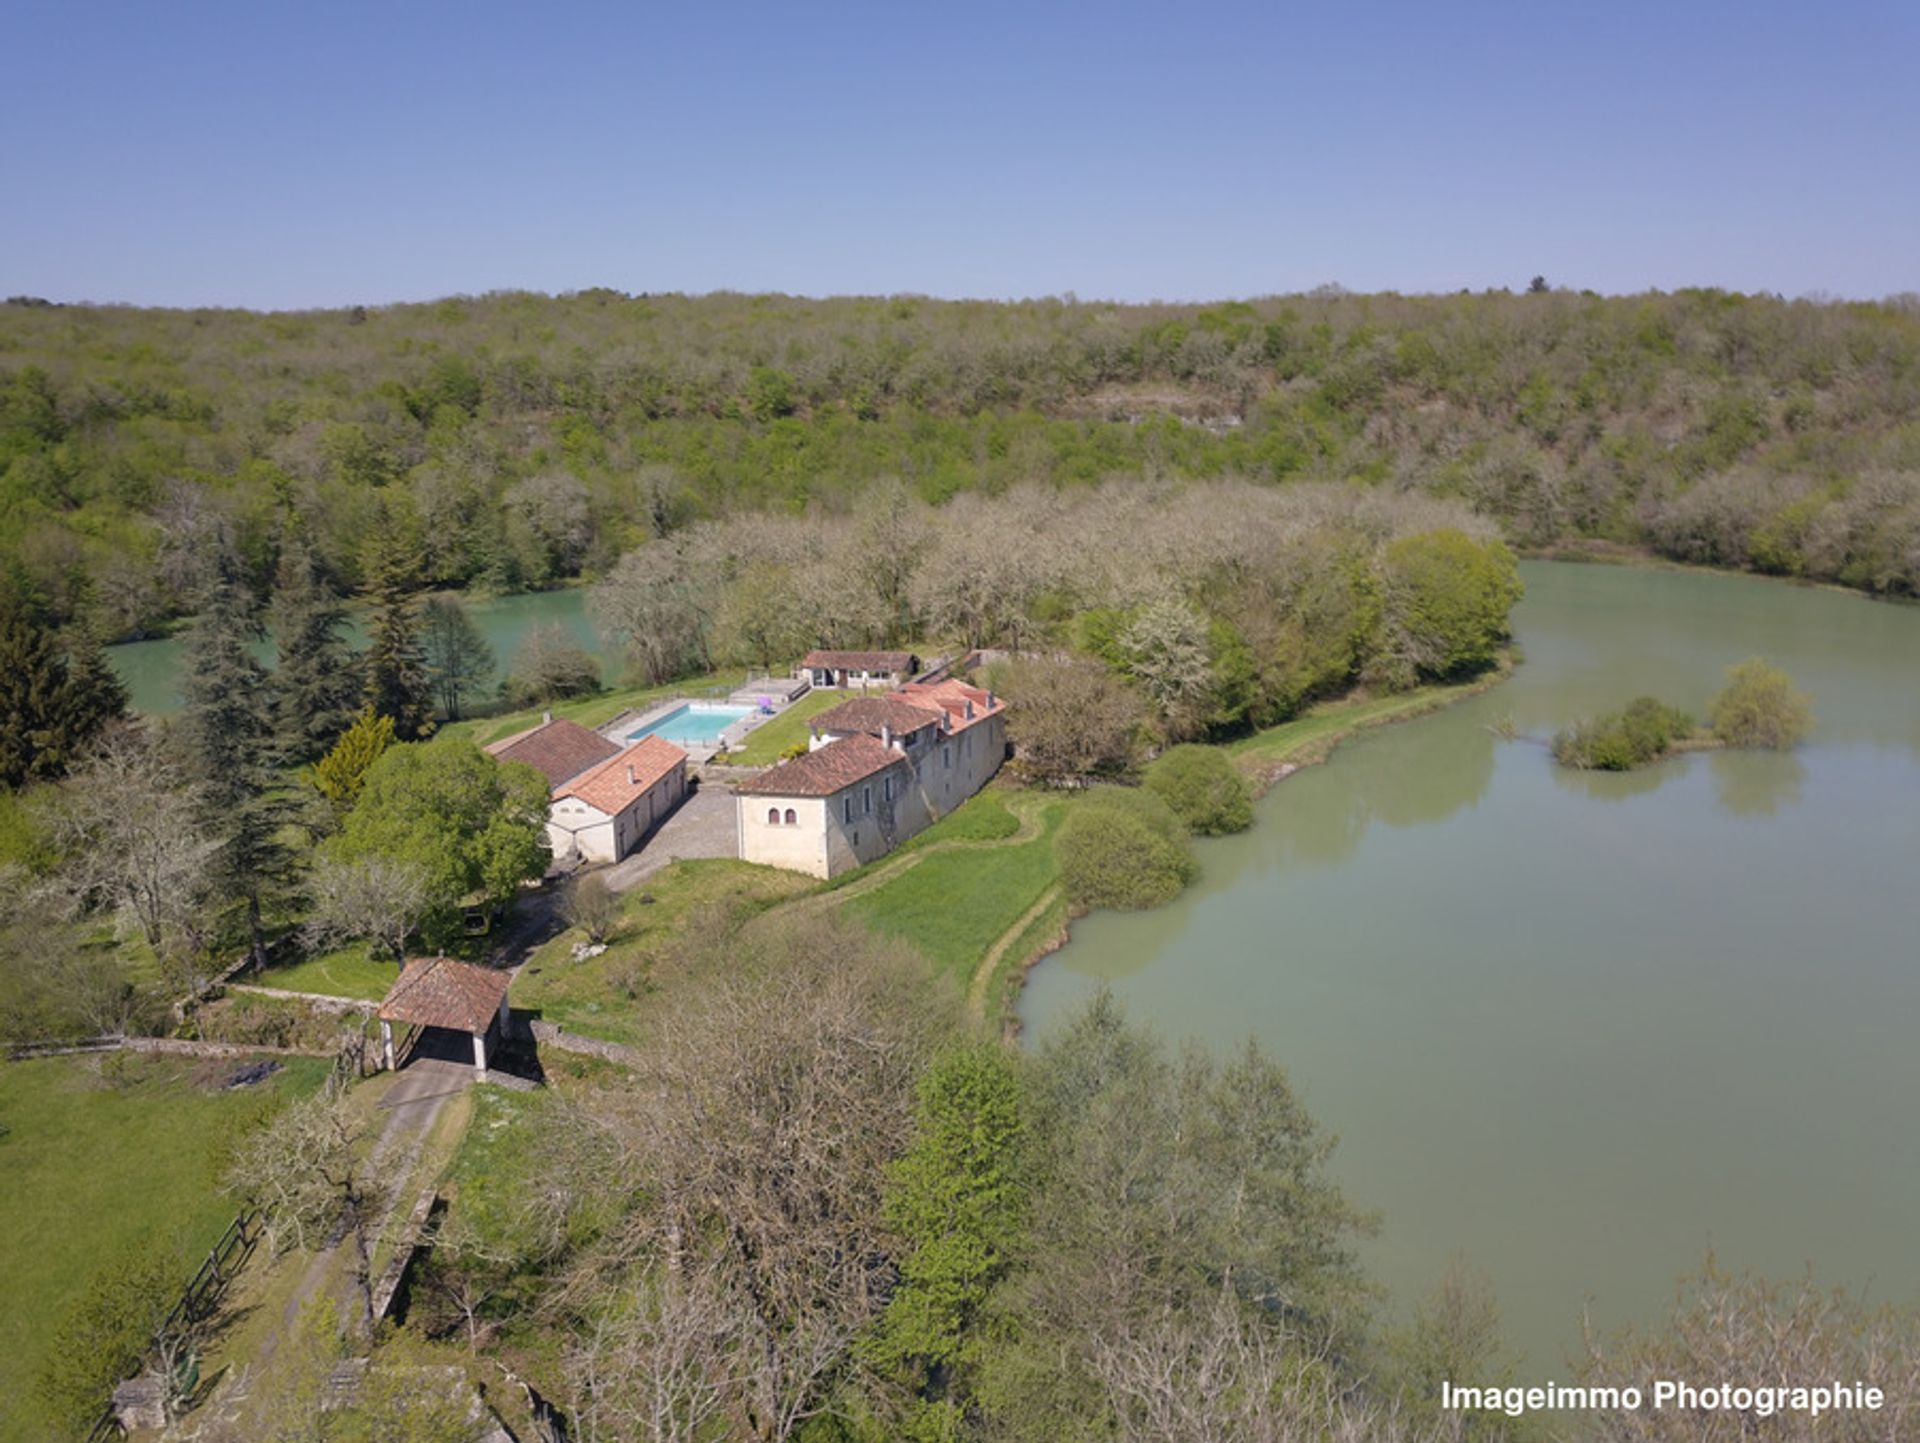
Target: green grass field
x,y
606,996
348,972
766,741
954,905
104,1154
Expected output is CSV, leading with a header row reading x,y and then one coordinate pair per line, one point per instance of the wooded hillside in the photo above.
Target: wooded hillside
x,y
527,439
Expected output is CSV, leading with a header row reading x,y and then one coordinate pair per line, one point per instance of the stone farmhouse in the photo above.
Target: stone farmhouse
x,y
606,798
878,769
857,669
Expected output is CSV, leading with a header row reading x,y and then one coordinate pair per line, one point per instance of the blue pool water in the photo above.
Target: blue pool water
x,y
697,721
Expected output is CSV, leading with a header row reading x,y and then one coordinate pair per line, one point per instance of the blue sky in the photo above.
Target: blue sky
x,y
265,154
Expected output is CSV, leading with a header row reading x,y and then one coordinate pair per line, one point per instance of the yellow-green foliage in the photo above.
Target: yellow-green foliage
x,y
1760,707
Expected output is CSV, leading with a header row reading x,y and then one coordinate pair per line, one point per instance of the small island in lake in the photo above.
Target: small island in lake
x,y
1758,707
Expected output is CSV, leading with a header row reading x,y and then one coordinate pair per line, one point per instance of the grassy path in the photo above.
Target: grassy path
x,y
983,975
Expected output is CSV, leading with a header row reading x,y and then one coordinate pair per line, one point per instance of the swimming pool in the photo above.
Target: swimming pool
x,y
696,721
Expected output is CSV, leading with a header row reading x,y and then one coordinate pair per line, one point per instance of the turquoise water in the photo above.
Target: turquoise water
x,y
151,669
1583,1027
697,721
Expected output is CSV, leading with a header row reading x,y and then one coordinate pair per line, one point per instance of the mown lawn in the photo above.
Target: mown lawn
x,y
606,996
104,1154
954,905
766,741
348,972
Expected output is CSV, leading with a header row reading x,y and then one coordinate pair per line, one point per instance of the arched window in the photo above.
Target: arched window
x,y
791,819
773,816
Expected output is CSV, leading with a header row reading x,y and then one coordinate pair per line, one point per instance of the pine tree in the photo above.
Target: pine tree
x,y
231,746
53,702
316,683
458,656
397,683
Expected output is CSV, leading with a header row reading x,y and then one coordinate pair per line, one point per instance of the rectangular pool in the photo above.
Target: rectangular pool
x,y
696,721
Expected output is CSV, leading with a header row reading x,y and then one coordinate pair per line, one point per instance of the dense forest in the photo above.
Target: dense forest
x,y
522,440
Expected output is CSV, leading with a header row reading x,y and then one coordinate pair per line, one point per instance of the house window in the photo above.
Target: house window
x,y
946,757
866,801
886,789
773,816
791,820
849,806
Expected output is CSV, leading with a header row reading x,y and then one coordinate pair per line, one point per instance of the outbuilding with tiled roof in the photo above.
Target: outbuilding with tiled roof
x,y
606,811
825,668
558,750
454,996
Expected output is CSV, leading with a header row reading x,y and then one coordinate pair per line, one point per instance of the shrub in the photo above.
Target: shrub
x,y
592,906
549,665
1637,737
1760,707
1123,849
1204,790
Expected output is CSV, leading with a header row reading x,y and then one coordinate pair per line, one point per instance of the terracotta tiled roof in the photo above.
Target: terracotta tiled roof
x,y
440,992
870,713
860,660
954,698
825,770
558,750
619,781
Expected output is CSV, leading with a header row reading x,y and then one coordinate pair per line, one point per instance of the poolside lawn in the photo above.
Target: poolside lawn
x,y
348,972
766,741
596,710
608,996
105,1153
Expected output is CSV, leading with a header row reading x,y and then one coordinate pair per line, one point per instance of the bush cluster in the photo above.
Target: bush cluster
x,y
1760,707
1621,741
1203,789
1123,848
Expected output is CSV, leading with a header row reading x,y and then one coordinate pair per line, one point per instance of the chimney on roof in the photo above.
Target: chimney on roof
x,y
969,708
545,717
990,701
632,780
886,735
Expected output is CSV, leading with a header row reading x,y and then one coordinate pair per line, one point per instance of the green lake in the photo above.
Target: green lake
x,y
151,668
1580,1028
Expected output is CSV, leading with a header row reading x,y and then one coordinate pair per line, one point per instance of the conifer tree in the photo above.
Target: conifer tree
x,y
316,683
53,702
397,681
231,745
341,773
458,656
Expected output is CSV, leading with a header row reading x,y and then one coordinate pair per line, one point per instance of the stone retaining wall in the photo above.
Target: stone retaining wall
x,y
321,1001
551,1034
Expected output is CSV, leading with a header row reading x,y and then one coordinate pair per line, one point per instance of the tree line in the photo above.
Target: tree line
x,y
529,439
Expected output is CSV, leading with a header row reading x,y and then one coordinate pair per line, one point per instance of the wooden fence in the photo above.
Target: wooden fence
x,y
196,1304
